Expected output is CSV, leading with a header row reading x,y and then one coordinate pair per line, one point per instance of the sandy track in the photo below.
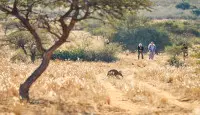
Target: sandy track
x,y
163,94
118,99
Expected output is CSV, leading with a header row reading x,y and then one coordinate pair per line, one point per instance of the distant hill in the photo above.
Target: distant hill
x,y
166,9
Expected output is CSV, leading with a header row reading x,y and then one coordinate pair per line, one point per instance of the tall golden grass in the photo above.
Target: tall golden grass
x,y
68,87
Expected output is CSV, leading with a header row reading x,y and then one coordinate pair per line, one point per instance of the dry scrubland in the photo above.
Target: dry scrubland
x,y
67,87
71,88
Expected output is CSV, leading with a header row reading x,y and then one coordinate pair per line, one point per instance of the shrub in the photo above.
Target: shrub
x,y
173,50
131,38
98,28
196,12
175,61
181,28
107,54
22,40
72,55
197,55
198,62
183,5
179,40
19,57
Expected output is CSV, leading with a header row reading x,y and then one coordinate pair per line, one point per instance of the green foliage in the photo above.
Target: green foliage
x,y
26,12
183,5
131,38
101,7
98,28
197,55
133,30
179,40
22,40
180,33
180,28
177,47
107,54
136,29
19,38
19,57
175,61
198,62
131,21
196,51
10,25
2,17
173,50
71,55
107,30
196,12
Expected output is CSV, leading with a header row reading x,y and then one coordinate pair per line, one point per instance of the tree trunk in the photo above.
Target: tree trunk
x,y
24,88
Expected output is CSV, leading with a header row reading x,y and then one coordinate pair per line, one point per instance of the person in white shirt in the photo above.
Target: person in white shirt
x,y
152,50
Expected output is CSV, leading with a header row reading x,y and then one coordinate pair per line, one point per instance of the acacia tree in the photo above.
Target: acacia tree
x,y
58,17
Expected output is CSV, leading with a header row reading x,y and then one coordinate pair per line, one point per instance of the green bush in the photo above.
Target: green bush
x,y
131,38
98,28
196,12
107,54
196,54
173,50
174,61
19,57
69,55
181,28
198,62
179,40
183,5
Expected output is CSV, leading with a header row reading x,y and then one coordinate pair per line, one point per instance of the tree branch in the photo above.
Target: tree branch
x,y
29,9
25,22
62,18
4,9
49,29
86,13
15,10
32,31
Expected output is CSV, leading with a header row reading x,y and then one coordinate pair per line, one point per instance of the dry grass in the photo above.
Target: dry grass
x,y
69,87
181,82
178,78
64,84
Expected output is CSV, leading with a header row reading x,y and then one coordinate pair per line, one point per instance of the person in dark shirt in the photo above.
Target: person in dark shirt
x,y
185,51
33,52
140,51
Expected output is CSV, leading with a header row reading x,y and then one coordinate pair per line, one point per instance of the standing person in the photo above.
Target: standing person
x,y
33,52
185,51
152,49
140,51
